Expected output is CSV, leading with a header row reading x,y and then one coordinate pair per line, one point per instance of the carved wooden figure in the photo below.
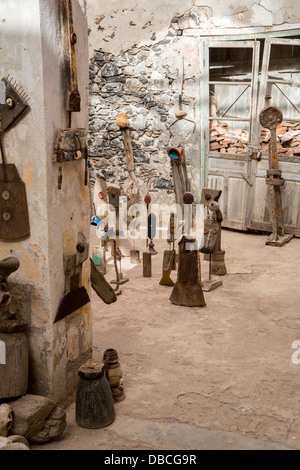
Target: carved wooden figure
x,y
209,198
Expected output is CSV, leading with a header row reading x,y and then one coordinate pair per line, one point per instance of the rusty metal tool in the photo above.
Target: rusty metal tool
x,y
70,68
14,217
100,285
270,117
180,115
73,98
75,295
187,290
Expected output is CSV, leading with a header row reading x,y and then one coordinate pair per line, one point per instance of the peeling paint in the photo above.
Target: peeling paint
x,y
68,242
30,268
39,315
55,216
142,26
27,174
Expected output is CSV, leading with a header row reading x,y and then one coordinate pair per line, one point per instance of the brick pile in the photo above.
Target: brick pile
x,y
235,141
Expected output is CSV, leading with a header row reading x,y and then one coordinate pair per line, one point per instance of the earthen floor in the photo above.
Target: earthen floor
x,y
224,376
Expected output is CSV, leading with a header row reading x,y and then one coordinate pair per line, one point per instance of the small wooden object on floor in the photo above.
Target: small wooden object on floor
x,y
187,290
168,261
94,400
147,264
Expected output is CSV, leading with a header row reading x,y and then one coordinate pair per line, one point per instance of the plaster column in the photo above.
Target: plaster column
x,y
32,53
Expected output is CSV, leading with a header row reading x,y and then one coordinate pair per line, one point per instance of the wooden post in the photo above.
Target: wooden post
x,y
123,123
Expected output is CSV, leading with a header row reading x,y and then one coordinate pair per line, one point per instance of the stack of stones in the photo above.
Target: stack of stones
x,y
227,141
288,139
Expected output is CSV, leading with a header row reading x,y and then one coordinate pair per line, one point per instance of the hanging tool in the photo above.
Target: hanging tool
x,y
73,98
75,295
70,145
70,68
181,114
14,218
270,117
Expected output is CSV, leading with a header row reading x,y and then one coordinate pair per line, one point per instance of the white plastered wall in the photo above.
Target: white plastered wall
x,y
31,52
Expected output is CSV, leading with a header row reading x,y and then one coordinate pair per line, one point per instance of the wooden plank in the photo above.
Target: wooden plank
x,y
266,227
236,199
283,41
258,32
231,82
226,118
230,165
229,156
233,44
204,103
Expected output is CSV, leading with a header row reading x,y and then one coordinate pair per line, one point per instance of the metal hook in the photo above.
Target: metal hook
x,y
179,119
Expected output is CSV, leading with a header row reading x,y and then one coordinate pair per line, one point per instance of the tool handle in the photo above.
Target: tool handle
x,y
86,168
3,156
1,148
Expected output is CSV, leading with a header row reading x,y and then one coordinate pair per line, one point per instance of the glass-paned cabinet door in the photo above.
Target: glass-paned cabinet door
x,y
231,78
280,87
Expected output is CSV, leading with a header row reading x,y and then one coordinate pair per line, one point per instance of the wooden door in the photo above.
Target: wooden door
x,y
228,90
279,88
241,174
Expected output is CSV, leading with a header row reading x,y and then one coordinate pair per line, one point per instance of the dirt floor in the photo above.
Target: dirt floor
x,y
195,378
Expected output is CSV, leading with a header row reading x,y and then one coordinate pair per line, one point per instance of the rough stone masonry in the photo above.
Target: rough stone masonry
x,y
137,67
144,82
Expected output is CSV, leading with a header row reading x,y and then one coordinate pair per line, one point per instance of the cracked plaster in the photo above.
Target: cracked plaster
x,y
138,24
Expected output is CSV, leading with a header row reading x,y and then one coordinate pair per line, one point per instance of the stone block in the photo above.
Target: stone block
x,y
14,443
37,418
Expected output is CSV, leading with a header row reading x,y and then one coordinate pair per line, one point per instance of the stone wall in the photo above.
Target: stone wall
x,y
145,84
140,54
